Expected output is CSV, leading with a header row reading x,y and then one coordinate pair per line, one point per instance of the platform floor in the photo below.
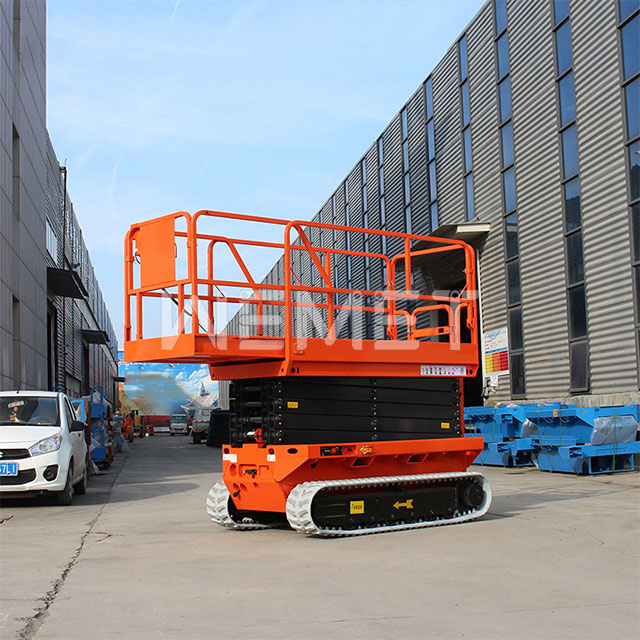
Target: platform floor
x,y
557,557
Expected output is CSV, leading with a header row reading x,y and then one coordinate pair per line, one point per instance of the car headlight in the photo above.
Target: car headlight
x,y
47,445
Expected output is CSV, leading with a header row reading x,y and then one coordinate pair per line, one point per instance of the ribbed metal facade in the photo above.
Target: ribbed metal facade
x,y
41,342
538,158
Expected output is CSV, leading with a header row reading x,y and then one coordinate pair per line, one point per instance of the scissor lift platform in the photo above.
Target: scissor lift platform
x,y
407,469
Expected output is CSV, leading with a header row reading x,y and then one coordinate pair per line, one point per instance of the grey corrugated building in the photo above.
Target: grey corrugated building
x,y
55,329
525,140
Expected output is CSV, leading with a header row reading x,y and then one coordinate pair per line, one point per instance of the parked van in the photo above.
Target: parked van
x,y
178,424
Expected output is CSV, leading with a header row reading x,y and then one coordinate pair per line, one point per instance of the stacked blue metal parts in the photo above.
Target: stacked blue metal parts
x,y
557,437
98,427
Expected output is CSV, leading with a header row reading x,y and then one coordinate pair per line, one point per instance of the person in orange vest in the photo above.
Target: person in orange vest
x,y
128,428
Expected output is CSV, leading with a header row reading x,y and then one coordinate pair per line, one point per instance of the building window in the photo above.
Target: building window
x,y
15,183
406,182
363,180
17,6
563,47
462,53
579,378
347,216
631,47
509,189
632,101
572,213
560,10
506,135
431,155
501,16
467,151
503,55
504,98
52,242
509,203
569,152
465,103
567,99
333,217
629,26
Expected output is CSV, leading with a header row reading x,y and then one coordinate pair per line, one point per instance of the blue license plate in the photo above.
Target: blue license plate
x,y
8,468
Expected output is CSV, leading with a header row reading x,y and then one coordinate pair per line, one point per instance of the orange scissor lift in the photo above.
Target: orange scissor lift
x,y
346,404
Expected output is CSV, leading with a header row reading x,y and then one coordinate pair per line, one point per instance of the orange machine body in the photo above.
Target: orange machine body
x,y
260,478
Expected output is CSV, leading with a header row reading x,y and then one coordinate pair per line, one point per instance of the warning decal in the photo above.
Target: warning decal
x,y
356,506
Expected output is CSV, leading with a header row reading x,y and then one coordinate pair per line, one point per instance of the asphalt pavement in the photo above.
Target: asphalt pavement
x,y
137,557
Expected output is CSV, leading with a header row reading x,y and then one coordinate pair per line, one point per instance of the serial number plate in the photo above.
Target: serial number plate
x,y
8,468
443,370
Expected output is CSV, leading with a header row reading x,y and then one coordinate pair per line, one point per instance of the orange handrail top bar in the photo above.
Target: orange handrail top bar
x,y
342,300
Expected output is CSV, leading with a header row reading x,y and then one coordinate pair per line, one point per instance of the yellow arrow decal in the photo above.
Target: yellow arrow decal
x,y
407,505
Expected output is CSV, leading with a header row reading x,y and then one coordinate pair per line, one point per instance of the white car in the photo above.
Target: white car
x,y
42,446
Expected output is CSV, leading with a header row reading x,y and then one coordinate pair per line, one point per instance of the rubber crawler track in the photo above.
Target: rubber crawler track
x,y
218,510
300,500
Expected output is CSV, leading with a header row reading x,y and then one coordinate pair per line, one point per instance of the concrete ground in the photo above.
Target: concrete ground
x,y
137,557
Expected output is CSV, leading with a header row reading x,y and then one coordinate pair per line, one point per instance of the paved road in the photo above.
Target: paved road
x,y
138,558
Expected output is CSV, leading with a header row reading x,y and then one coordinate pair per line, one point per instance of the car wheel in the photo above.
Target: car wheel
x,y
65,497
81,487
172,434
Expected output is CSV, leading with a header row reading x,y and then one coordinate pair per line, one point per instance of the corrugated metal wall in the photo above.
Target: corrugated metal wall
x,y
69,316
537,158
486,171
606,235
538,188
448,127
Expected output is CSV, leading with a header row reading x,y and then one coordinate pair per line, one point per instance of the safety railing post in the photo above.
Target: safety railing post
x,y
288,320
180,309
210,320
192,249
138,316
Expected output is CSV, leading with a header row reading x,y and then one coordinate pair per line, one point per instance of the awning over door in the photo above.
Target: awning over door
x,y
94,336
65,283
471,232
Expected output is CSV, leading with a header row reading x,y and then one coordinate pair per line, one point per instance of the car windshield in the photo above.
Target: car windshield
x,y
31,410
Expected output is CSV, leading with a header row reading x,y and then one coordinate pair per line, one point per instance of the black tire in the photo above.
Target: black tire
x,y
171,433
65,497
81,487
196,437
130,436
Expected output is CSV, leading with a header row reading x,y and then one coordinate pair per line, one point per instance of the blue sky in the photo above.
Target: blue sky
x,y
257,107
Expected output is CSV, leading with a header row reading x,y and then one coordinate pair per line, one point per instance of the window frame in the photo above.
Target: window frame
x,y
565,178
469,203
430,144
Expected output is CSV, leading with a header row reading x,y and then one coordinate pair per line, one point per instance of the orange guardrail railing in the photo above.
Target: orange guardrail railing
x,y
175,260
